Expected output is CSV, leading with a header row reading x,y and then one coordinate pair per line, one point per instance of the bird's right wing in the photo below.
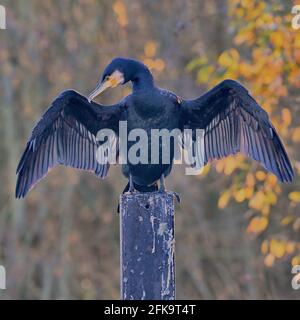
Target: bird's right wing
x,y
232,121
66,134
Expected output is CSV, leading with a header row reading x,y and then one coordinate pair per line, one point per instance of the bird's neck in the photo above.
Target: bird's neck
x,y
141,78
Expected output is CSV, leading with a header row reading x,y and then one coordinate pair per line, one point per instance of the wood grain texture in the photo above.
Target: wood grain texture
x,y
147,246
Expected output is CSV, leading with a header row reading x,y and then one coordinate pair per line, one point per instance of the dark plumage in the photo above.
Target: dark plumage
x,y
66,134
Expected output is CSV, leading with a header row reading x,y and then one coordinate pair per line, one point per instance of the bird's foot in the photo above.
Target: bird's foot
x,y
131,191
162,187
162,190
131,186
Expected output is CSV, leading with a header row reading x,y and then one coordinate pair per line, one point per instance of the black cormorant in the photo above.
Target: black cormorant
x,y
231,119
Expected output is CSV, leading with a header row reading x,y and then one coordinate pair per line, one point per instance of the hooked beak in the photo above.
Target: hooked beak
x,y
99,89
113,81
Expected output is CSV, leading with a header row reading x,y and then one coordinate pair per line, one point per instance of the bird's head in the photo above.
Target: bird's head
x,y
113,75
118,72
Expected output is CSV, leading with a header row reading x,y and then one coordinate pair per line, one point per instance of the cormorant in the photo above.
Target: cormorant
x,y
231,119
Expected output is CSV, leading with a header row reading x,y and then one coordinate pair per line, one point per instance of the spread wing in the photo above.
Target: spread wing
x,y
66,135
233,122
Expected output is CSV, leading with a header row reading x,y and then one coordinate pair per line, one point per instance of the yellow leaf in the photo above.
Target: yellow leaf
x,y
271,198
297,56
296,225
296,260
221,164
277,39
205,170
244,35
250,180
224,59
249,192
277,248
257,225
150,49
297,42
287,220
296,134
286,116
247,4
265,210
295,196
282,92
245,69
204,74
290,247
224,199
269,260
240,195
227,58
265,247
257,202
159,65
260,175
121,12
230,165
196,63
272,180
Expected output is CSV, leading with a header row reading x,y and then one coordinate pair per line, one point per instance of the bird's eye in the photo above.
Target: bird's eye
x,y
106,78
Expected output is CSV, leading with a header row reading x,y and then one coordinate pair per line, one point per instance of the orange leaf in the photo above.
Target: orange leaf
x,y
295,196
265,247
260,175
224,199
277,248
286,116
269,260
240,195
150,49
257,225
296,134
277,39
250,180
296,260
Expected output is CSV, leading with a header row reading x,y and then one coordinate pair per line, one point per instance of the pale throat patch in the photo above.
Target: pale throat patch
x,y
116,78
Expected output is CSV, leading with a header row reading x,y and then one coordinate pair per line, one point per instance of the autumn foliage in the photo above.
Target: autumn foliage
x,y
265,57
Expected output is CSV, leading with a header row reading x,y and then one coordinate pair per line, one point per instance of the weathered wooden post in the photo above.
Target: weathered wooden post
x,y
147,246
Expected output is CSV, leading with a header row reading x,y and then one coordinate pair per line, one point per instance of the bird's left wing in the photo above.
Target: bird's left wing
x,y
66,134
232,122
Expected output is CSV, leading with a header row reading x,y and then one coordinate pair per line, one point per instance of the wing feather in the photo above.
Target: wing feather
x,y
66,135
234,122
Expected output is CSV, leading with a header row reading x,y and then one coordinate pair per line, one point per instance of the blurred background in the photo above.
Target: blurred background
x,y
237,228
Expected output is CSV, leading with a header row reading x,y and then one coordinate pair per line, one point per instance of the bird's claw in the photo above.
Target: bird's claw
x,y
132,191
